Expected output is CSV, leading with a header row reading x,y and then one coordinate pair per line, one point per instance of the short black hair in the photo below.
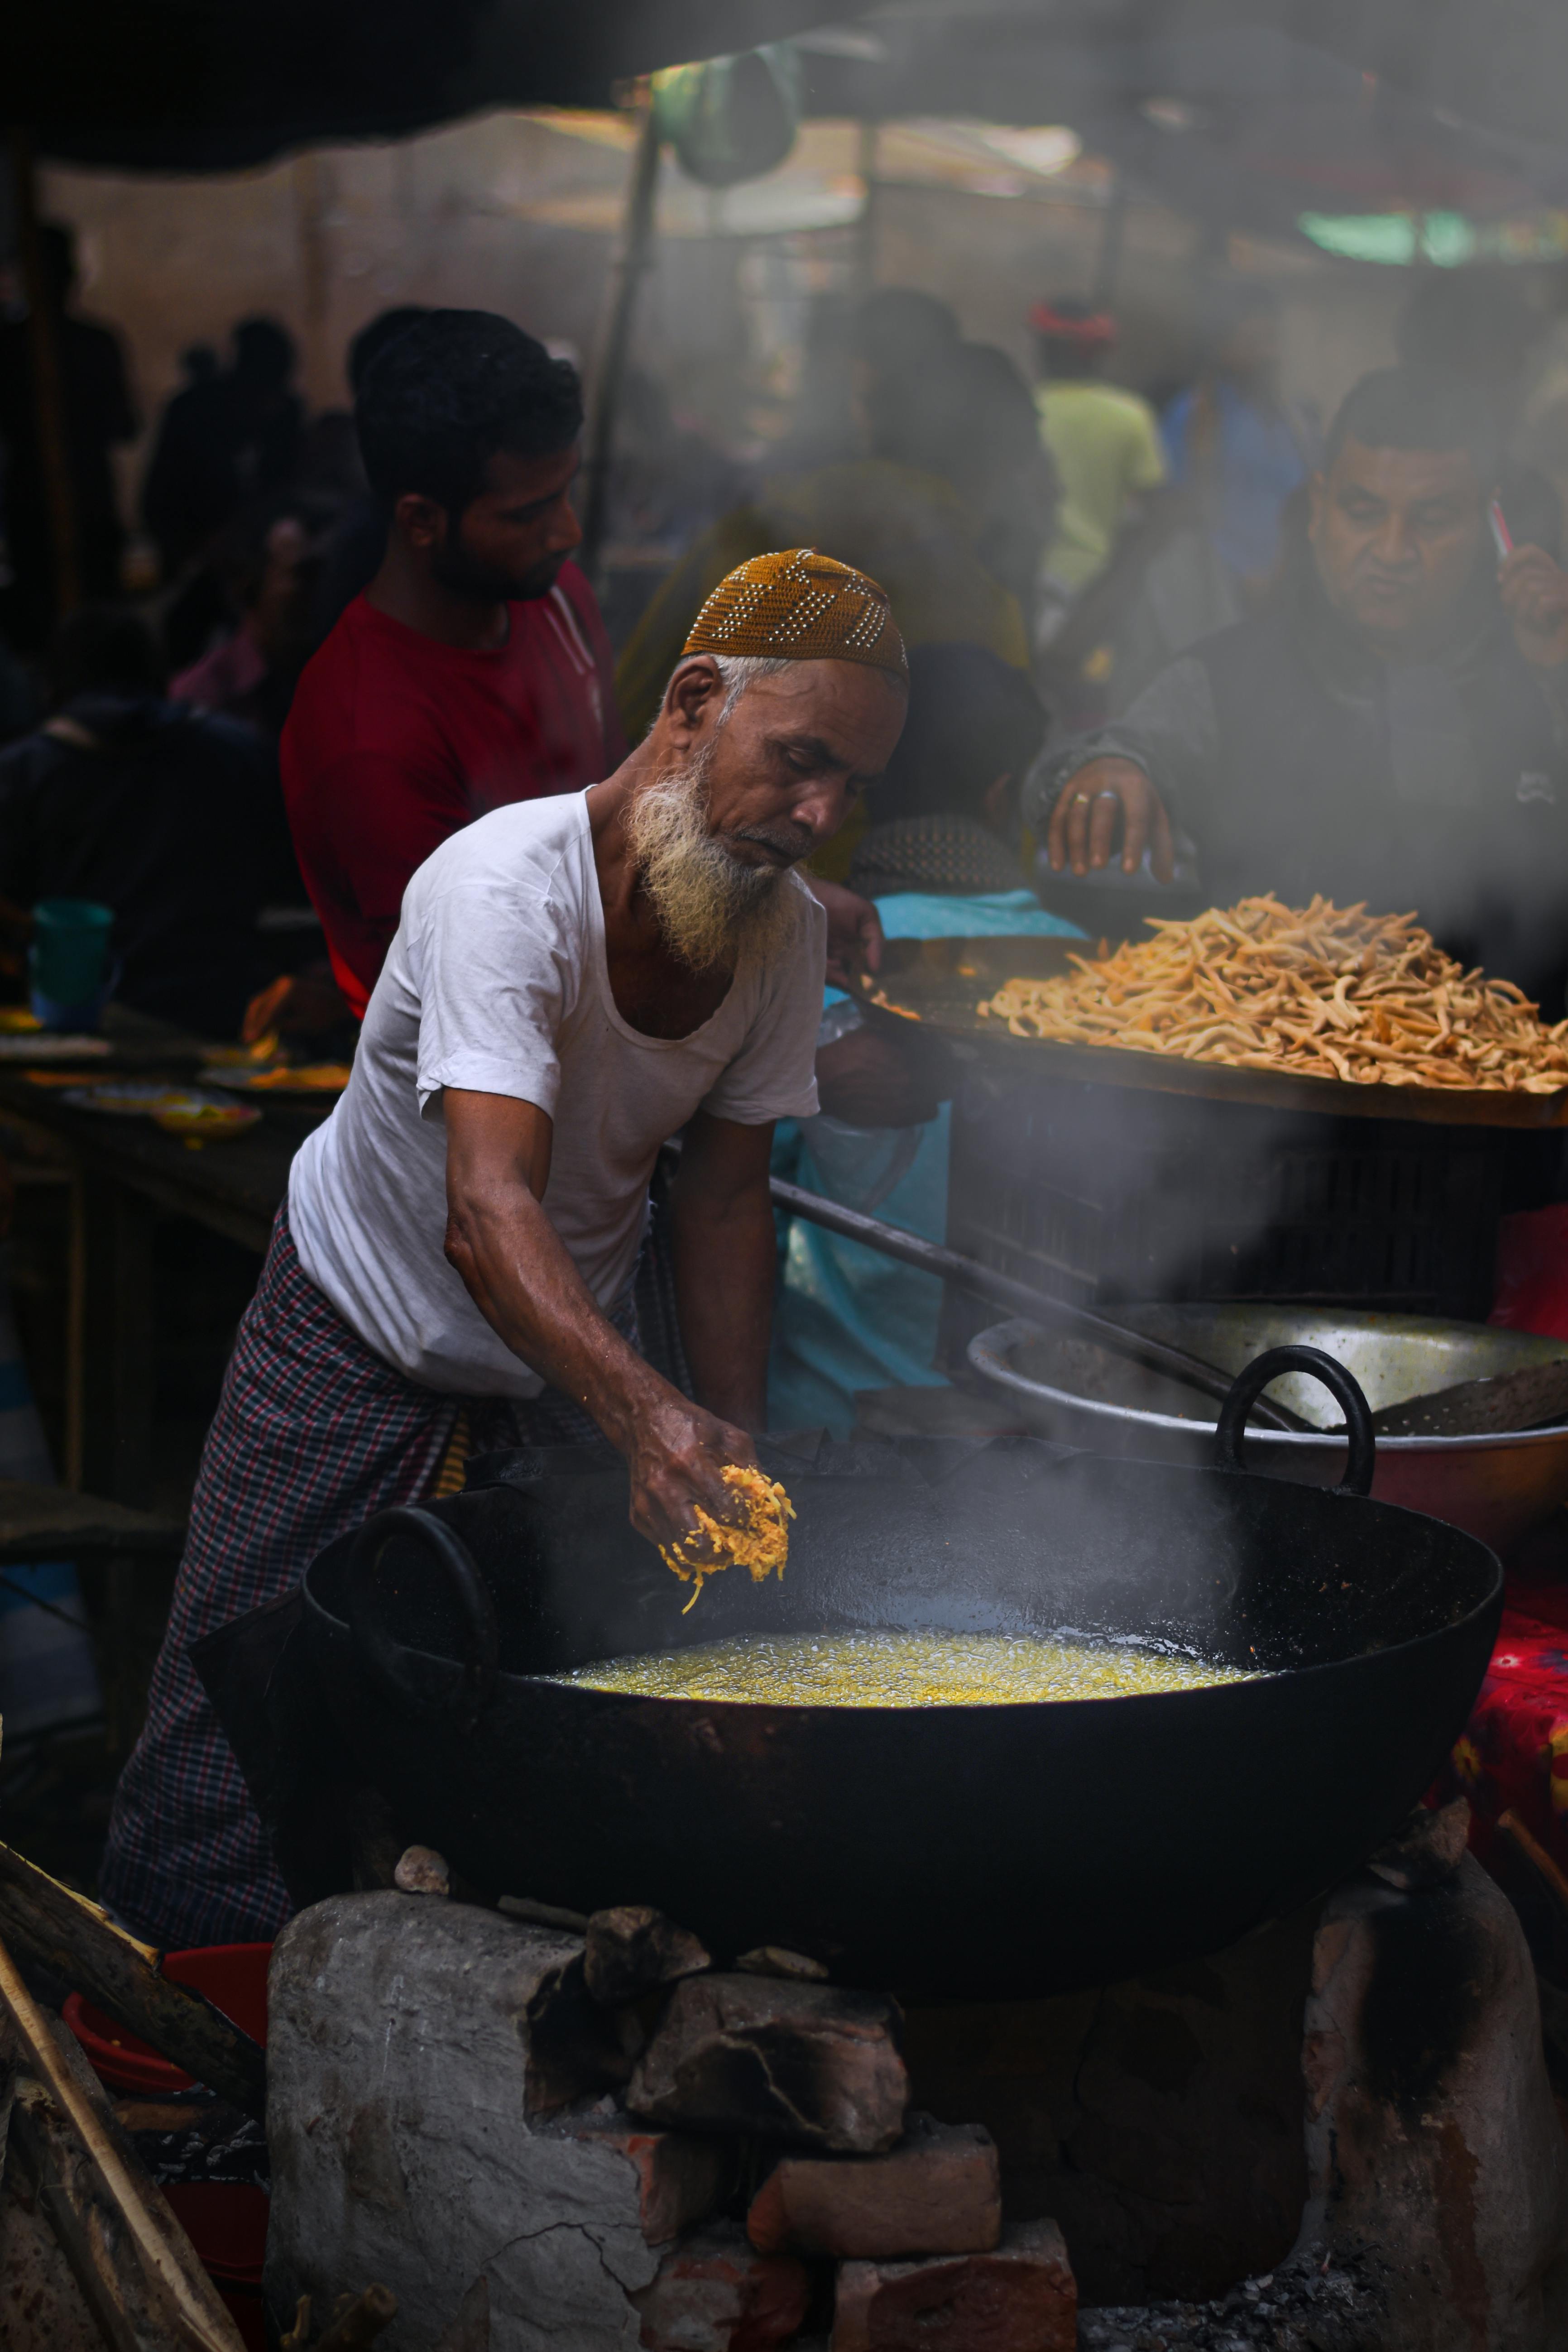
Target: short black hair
x,y
898,327
1416,408
56,257
972,718
264,352
1065,355
376,335
965,414
102,648
442,399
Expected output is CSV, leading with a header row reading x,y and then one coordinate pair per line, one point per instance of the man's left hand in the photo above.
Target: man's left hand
x,y
872,1079
1534,593
854,931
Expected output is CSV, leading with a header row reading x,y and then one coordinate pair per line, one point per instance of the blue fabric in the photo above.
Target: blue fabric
x,y
846,1318
48,1676
1258,464
996,914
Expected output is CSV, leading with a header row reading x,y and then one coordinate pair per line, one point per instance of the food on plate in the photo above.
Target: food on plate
x,y
245,1058
52,1046
316,1078
132,1097
205,1120
178,1110
762,1544
1318,991
284,1077
893,1669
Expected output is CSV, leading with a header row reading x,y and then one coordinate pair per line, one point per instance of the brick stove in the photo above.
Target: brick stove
x,y
1336,2137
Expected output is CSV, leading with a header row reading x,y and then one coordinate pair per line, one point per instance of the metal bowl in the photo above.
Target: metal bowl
x,y
1498,1487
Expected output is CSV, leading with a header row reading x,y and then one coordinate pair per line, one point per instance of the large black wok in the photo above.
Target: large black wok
x,y
964,1850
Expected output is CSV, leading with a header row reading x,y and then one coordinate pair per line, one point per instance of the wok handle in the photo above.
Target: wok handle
x,y
380,1656
1250,1384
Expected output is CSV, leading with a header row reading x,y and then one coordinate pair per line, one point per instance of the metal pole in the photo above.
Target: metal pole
x,y
865,239
1108,269
1001,1290
315,278
636,240
48,400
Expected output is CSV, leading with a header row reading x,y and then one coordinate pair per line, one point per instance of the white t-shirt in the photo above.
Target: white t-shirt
x,y
497,982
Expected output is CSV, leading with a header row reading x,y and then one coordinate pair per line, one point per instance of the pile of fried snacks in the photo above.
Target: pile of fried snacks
x,y
762,1544
1321,991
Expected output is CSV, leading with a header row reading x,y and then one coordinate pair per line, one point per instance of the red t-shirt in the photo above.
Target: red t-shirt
x,y
396,740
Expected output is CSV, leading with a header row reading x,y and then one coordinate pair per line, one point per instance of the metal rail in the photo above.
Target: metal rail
x,y
1001,1290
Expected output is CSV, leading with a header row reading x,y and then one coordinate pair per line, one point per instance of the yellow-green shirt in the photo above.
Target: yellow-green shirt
x,y
1106,444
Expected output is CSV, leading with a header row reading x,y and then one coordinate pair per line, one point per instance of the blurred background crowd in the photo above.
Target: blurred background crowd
x,y
1080,449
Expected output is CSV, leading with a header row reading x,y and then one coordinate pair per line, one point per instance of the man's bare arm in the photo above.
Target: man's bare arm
x,y
522,1277
721,1227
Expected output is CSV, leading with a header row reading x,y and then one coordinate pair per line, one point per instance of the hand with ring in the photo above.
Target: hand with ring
x,y
1083,824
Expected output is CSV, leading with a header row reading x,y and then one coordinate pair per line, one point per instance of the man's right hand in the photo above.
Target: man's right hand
x,y
676,1455
1084,820
522,1277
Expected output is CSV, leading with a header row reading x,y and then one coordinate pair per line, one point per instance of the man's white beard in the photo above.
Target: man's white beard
x,y
713,911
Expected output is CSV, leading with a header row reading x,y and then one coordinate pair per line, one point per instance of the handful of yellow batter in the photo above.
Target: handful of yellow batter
x,y
762,1544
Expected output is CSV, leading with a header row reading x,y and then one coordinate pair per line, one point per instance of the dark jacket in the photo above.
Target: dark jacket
x,y
175,821
1299,763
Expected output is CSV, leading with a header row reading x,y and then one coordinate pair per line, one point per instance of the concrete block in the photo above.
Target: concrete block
x,y
1431,2130
404,2150
714,2293
681,2180
1020,2298
938,2192
805,2063
633,1949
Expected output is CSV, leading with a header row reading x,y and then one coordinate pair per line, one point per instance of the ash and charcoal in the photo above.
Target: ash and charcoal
x,y
1315,2302
208,2141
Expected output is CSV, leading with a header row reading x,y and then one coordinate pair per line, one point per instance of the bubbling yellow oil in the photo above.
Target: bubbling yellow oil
x,y
901,1669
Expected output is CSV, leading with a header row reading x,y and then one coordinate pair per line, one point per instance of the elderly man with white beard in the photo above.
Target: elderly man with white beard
x,y
572,980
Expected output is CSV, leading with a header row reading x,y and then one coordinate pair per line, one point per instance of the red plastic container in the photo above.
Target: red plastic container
x,y
225,2221
245,2309
232,1976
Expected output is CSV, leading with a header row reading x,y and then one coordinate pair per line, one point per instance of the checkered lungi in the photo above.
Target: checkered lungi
x,y
313,1433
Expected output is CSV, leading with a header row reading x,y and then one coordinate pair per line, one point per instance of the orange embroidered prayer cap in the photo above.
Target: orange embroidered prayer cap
x,y
799,606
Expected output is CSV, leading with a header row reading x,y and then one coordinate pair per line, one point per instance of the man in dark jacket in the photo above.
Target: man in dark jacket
x,y
173,819
1392,727
97,416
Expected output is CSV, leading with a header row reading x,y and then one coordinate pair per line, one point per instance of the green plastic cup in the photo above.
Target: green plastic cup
x,y
68,962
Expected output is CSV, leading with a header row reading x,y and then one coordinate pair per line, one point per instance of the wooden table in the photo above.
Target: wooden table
x,y
53,1520
107,1544
122,1175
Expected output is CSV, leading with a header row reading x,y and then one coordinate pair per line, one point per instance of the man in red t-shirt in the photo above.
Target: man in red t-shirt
x,y
475,669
